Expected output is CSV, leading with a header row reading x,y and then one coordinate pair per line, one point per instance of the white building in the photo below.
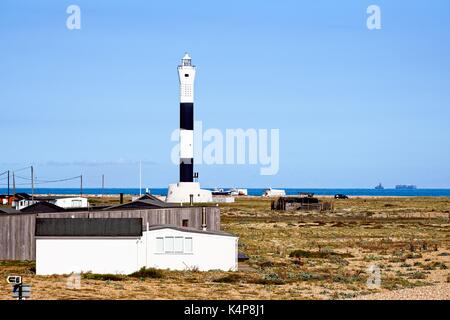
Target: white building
x,y
72,202
120,246
65,202
273,193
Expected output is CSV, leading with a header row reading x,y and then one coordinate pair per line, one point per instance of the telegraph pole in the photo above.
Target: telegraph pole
x,y
32,184
81,185
8,185
103,185
14,184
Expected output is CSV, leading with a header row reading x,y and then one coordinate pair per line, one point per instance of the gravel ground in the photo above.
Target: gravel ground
x,y
440,291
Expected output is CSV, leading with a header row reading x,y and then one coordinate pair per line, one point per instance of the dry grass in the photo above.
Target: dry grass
x,y
293,255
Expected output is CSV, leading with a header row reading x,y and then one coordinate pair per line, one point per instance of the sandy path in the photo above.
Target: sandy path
x,y
440,291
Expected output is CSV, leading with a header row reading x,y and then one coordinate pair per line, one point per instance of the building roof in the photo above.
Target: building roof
x,y
149,196
26,196
22,196
42,207
55,197
8,210
89,227
147,201
186,229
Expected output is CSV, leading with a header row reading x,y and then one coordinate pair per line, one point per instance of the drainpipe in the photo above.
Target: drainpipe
x,y
146,245
203,218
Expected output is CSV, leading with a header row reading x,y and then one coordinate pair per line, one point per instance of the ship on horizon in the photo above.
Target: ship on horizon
x,y
379,187
405,187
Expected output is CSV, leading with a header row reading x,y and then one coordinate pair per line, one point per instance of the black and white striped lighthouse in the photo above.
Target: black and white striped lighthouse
x,y
186,75
186,190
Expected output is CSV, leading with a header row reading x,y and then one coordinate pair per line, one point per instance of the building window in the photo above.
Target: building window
x,y
186,75
178,245
188,245
160,245
173,245
168,245
185,223
76,203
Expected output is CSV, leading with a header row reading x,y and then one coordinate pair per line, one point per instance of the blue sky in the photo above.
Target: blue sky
x,y
354,107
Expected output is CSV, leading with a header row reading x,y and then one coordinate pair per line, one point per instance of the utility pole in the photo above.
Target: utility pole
x,y
103,185
14,184
8,185
32,184
81,185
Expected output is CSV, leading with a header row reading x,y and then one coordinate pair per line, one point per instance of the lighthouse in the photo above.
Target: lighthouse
x,y
186,76
186,190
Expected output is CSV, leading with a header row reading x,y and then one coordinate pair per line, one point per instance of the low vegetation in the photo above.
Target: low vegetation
x,y
103,277
148,273
293,255
318,254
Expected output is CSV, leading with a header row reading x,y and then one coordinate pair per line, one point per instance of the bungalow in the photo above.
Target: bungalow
x,y
121,246
24,200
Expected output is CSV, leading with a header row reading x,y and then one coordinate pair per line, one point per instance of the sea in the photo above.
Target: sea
x,y
251,191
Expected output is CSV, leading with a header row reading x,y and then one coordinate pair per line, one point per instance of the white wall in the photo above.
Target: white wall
x,y
180,193
76,202
19,205
59,255
209,252
104,255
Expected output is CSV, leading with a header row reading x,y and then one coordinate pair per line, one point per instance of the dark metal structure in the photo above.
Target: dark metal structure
x,y
307,203
85,227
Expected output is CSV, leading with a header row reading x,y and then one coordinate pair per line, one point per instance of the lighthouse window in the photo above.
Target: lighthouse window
x,y
186,75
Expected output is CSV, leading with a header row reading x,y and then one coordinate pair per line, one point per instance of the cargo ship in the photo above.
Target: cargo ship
x,y
405,187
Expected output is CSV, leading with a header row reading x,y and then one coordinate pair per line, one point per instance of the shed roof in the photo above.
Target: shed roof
x,y
22,196
42,207
147,201
8,210
88,227
186,229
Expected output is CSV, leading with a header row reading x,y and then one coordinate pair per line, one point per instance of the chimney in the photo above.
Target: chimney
x,y
203,218
121,198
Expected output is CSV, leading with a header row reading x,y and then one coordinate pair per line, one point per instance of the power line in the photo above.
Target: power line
x,y
24,178
21,169
17,184
39,181
60,180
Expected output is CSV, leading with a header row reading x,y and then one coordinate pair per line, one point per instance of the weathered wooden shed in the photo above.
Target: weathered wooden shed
x,y
17,230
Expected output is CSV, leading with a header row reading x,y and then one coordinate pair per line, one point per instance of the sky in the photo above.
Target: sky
x,y
354,107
